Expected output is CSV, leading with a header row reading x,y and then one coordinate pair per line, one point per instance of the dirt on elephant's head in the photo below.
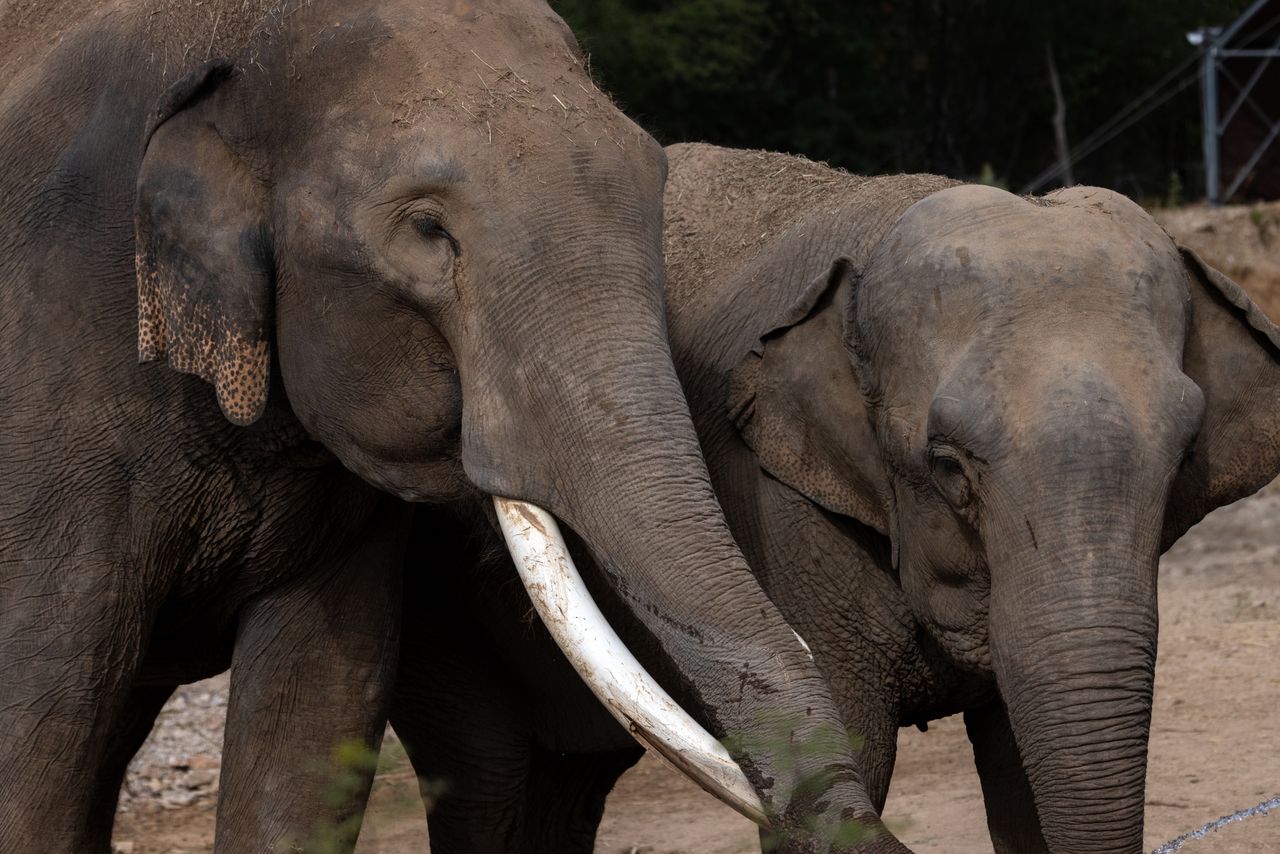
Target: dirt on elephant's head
x,y
726,207
745,197
179,33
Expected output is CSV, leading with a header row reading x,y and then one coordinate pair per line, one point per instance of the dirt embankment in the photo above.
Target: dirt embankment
x,y
1242,241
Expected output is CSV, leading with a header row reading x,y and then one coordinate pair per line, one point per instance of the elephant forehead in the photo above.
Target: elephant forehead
x,y
987,259
506,78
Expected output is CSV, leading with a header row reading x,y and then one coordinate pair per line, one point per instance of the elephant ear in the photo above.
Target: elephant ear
x,y
204,275
798,405
1232,352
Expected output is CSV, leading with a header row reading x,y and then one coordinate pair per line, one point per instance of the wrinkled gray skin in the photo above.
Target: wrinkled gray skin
x,y
952,458
412,248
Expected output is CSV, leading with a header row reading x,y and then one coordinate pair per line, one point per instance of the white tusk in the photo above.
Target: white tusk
x,y
610,670
803,645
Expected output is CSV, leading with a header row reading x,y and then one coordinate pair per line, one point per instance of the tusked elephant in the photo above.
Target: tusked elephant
x,y
416,254
952,456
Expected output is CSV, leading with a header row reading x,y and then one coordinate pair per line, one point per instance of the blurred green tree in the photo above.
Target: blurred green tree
x,y
910,85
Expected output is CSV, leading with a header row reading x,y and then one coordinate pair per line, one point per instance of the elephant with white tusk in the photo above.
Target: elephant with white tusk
x,y
953,430
268,268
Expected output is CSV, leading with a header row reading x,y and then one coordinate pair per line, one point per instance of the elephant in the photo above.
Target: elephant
x,y
272,270
952,429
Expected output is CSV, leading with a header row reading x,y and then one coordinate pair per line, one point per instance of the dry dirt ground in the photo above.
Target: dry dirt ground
x,y
1215,744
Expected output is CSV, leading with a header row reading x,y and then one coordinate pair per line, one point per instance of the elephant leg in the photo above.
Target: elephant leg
x,y
1011,811
486,788
311,678
469,724
135,725
879,734
467,731
567,793
71,639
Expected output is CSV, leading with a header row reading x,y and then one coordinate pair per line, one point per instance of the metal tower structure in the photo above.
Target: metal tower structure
x,y
1234,65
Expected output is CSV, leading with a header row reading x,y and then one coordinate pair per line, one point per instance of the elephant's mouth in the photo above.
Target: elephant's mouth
x,y
962,638
609,669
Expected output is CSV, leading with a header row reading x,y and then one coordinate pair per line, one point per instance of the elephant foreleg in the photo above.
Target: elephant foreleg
x,y
1011,811
567,792
71,639
311,679
879,734
466,727
487,787
135,725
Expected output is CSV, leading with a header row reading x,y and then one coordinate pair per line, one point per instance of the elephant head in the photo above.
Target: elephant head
x,y
1031,399
428,237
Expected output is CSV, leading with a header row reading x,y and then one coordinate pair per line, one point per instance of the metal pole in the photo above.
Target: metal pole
x,y
1247,54
1209,93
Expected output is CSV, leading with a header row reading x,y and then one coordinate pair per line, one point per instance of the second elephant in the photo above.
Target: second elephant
x,y
953,458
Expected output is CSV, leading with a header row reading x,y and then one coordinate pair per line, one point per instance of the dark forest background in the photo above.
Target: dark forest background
x,y
960,88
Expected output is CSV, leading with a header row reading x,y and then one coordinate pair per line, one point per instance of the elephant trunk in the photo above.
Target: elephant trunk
x,y
587,419
1073,645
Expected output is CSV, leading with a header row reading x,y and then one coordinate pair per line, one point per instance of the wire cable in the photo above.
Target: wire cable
x,y
1138,109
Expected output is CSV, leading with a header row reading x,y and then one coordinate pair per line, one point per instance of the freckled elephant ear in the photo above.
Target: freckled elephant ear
x,y
798,405
1232,353
203,257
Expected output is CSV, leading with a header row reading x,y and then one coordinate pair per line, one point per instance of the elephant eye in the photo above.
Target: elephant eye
x,y
948,467
429,227
1189,455
950,477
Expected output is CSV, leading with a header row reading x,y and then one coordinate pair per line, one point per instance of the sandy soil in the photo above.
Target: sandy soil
x,y
1215,745
1242,241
